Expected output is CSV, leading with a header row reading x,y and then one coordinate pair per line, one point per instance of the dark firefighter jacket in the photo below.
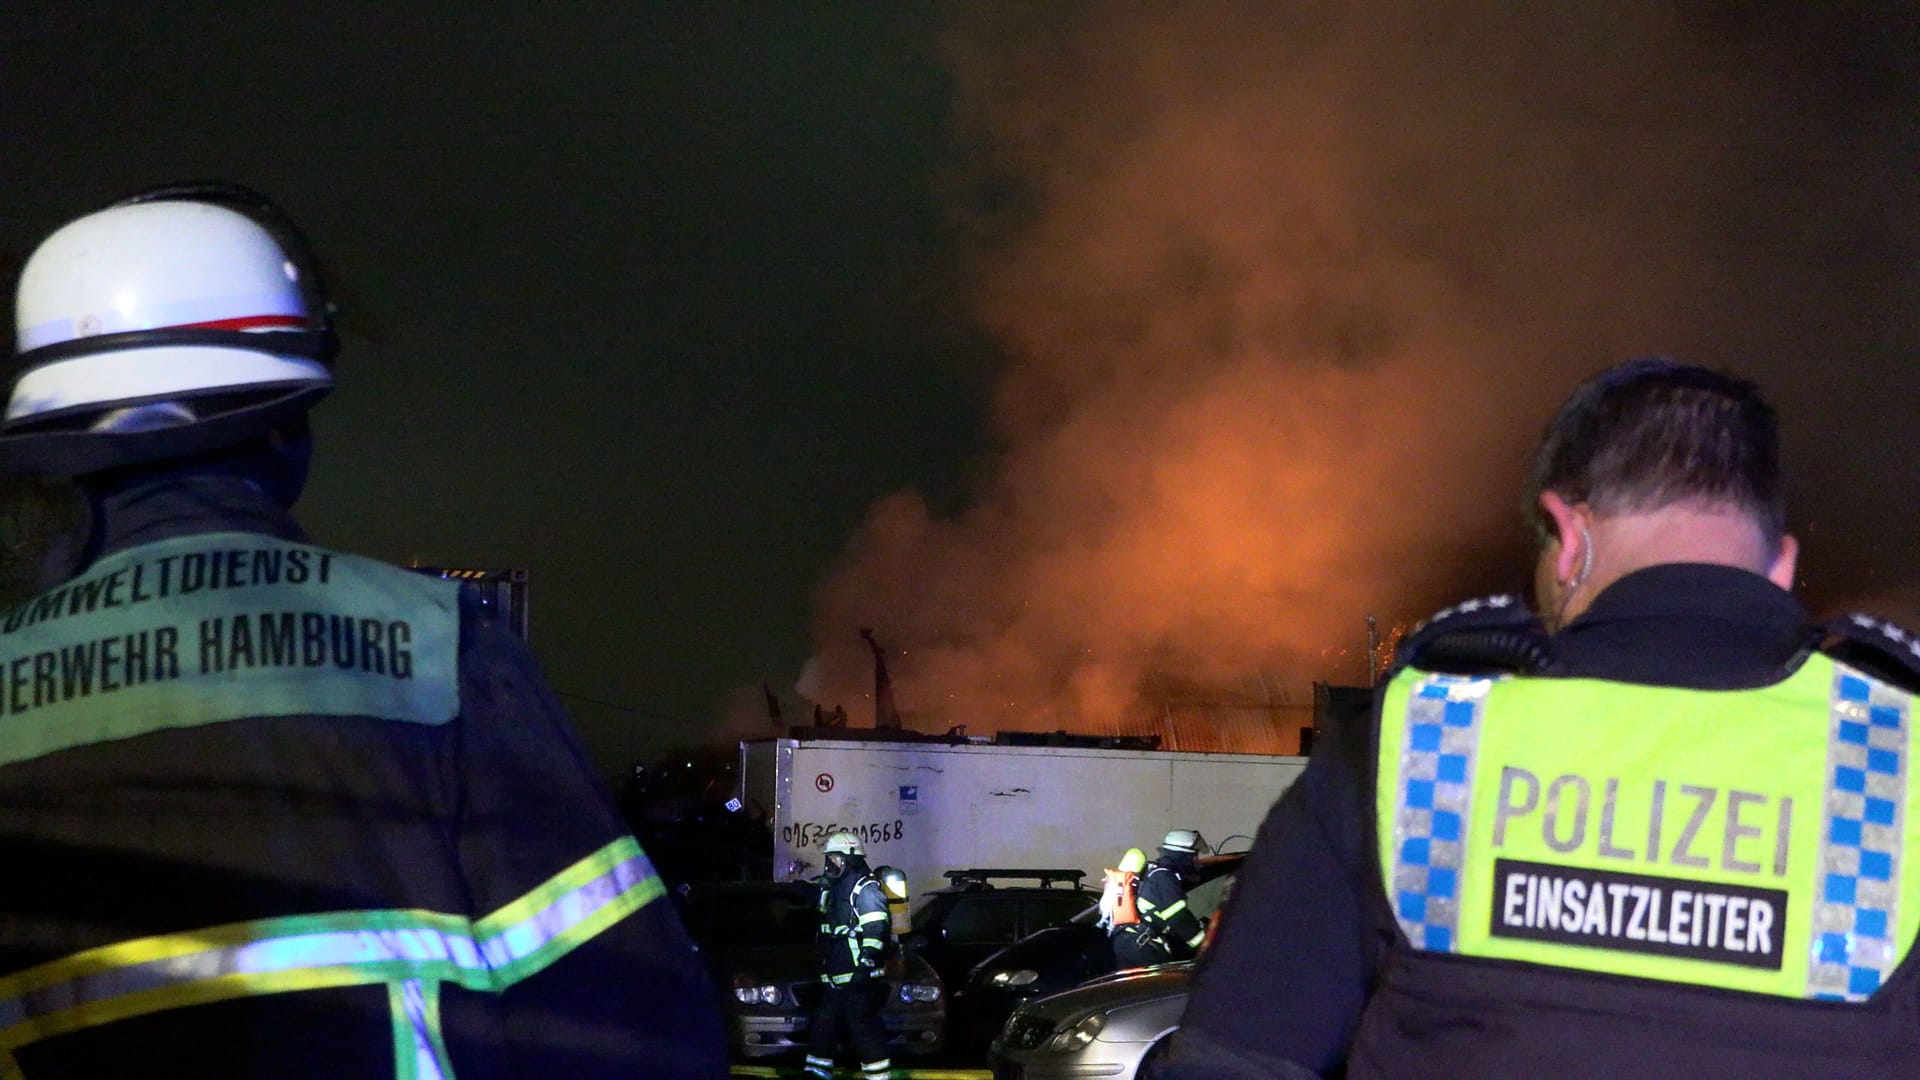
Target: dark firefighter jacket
x,y
1166,923
855,925
270,810
1313,975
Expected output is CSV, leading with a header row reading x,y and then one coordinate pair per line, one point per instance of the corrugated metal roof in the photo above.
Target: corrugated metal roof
x,y
1193,719
1221,727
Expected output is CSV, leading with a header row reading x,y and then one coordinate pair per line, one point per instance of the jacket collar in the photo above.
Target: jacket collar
x,y
186,504
1687,624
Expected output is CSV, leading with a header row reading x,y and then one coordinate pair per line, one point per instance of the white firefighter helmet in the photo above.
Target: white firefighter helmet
x,y
1184,840
842,843
176,321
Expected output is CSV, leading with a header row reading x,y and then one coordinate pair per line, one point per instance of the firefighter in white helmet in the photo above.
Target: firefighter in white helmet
x,y
854,933
1168,930
240,765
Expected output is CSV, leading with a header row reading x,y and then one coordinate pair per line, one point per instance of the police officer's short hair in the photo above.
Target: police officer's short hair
x,y
1653,433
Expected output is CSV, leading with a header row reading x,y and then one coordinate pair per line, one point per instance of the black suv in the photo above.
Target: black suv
x,y
977,915
982,911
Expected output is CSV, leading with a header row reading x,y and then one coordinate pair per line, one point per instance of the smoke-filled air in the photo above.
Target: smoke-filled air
x,y
1283,293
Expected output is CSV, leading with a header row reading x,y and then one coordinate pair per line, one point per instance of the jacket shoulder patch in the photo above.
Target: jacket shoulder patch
x,y
1875,646
1484,636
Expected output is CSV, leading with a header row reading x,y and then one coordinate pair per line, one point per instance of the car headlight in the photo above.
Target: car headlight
x,y
749,992
921,992
1077,1036
1013,977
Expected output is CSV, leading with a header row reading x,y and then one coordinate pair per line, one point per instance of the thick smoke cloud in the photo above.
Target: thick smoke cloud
x,y
1285,291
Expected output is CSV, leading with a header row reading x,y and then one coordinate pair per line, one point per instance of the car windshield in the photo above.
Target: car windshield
x,y
1205,898
757,917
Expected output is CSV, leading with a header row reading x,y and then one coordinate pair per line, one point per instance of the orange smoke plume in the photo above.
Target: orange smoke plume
x,y
1284,293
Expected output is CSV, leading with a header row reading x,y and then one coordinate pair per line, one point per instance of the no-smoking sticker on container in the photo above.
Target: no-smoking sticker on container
x,y
823,782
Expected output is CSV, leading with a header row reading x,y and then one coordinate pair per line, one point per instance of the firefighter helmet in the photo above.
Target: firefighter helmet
x,y
842,843
1186,840
180,320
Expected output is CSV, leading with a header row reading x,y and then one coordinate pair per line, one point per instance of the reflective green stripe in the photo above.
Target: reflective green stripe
x,y
872,916
340,949
837,980
419,1052
1143,904
533,941
406,1048
1195,940
1173,909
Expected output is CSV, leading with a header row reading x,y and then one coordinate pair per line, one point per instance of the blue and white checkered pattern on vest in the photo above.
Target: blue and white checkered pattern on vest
x,y
1430,825
1854,913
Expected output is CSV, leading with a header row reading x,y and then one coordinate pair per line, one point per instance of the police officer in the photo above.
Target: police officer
x,y
1656,832
272,809
1168,930
854,934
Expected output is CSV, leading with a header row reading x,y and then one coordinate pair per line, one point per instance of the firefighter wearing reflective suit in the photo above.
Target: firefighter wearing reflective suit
x,y
1660,831
269,809
1168,930
854,933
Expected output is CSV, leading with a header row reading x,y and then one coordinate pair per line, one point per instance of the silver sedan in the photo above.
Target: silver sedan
x,y
1100,1028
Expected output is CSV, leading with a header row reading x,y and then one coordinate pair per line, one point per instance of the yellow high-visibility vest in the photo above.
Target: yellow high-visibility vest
x,y
1752,840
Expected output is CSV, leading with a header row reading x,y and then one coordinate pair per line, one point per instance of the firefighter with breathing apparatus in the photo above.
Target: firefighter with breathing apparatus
x,y
855,930
1119,887
1167,930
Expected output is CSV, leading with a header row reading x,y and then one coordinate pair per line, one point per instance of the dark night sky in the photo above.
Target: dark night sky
x,y
660,299
642,292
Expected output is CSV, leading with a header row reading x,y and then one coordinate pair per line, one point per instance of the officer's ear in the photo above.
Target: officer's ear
x,y
1570,544
1784,563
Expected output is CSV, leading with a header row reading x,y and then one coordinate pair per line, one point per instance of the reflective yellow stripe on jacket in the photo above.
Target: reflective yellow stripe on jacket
x,y
412,951
1160,917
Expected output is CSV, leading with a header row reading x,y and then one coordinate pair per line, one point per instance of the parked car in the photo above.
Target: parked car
x,y
979,914
1104,1028
758,942
1057,958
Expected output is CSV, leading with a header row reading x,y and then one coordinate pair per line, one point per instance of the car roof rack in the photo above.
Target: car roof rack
x,y
978,877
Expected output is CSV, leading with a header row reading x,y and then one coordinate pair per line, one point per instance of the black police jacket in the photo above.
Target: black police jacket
x,y
435,885
1310,976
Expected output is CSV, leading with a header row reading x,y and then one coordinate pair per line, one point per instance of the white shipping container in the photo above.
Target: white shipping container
x,y
931,807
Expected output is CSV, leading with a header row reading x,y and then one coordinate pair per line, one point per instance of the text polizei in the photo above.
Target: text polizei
x,y
1614,909
1675,815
